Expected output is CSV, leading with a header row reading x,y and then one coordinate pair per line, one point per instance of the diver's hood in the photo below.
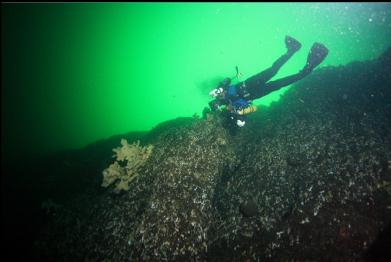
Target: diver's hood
x,y
225,83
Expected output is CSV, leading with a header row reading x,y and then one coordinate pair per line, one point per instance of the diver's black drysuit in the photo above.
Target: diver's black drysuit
x,y
241,94
258,86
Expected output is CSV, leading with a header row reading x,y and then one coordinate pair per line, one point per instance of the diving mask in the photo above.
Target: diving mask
x,y
217,91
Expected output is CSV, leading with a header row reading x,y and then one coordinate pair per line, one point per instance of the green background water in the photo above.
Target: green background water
x,y
76,73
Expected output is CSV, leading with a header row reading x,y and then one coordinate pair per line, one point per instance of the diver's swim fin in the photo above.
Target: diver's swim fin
x,y
316,55
292,44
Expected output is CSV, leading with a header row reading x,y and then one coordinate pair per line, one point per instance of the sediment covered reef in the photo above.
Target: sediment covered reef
x,y
308,178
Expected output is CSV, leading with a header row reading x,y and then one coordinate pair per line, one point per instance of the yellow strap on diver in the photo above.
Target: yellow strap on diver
x,y
247,110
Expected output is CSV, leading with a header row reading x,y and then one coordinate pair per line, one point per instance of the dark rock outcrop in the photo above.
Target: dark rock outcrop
x,y
316,166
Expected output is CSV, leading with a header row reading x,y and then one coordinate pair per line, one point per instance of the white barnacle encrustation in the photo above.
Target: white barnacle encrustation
x,y
304,221
274,245
279,234
205,246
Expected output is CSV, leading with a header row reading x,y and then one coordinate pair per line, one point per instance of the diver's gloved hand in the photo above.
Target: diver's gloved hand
x,y
240,123
215,92
214,105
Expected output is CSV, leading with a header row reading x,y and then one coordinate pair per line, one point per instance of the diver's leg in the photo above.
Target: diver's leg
x,y
277,84
292,46
267,74
316,55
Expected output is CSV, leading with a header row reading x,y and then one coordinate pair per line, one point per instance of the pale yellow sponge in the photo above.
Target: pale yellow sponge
x,y
133,156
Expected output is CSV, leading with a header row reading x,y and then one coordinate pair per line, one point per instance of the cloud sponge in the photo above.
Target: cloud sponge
x,y
134,156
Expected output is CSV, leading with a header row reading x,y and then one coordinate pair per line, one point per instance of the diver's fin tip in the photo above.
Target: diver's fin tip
x,y
292,44
316,55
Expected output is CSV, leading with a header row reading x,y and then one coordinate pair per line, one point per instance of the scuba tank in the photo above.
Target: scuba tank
x,y
247,110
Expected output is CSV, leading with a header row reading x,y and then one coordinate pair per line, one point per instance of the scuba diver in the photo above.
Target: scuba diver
x,y
237,99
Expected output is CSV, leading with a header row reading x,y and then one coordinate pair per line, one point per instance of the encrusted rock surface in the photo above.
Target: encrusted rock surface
x,y
307,179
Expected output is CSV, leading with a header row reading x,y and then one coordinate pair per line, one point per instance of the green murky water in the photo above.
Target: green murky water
x,y
76,73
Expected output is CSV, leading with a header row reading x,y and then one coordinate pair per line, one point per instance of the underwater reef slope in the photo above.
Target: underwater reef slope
x,y
308,178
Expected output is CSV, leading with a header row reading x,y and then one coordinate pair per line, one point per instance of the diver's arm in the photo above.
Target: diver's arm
x,y
215,104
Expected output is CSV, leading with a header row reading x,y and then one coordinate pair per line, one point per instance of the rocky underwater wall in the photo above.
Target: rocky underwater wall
x,y
307,179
